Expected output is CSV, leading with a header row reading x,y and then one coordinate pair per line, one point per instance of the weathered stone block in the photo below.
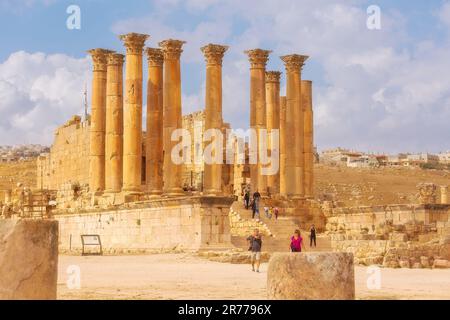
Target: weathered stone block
x,y
311,276
28,259
441,264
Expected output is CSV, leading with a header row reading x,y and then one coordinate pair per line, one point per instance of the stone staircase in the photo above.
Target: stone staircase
x,y
281,230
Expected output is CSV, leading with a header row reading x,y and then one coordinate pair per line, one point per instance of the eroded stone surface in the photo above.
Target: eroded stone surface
x,y
28,259
311,276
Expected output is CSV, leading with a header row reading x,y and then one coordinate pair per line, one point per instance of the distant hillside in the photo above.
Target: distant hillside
x,y
14,172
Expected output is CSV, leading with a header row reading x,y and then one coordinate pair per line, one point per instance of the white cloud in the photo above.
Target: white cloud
x,y
379,90
39,92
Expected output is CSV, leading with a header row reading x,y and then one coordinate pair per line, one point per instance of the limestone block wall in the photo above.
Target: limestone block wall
x,y
195,223
68,160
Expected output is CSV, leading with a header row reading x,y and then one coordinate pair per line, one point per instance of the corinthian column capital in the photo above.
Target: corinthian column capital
x,y
171,48
214,53
155,57
99,58
115,59
258,57
273,76
294,62
134,42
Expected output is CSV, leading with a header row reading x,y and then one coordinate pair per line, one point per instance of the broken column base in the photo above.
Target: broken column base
x,y
28,259
311,276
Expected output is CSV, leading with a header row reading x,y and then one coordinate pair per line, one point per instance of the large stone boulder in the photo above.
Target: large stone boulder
x,y
28,259
311,276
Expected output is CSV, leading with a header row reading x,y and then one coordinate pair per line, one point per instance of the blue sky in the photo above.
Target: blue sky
x,y
374,90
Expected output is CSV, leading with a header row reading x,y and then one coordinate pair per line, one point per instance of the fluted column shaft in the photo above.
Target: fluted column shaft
x,y
213,112
114,123
154,140
273,121
258,59
172,117
306,91
132,124
294,126
283,147
98,121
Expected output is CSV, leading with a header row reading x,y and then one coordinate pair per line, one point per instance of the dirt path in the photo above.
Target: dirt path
x,y
179,276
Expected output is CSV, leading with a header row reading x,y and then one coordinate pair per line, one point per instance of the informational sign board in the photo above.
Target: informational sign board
x,y
92,244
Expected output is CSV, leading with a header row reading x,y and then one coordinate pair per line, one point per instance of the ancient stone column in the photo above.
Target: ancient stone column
x,y
132,113
273,121
213,112
172,113
294,126
258,59
114,123
308,151
444,195
154,140
98,121
283,148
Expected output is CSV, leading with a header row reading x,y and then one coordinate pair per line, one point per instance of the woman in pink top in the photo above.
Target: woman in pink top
x,y
296,242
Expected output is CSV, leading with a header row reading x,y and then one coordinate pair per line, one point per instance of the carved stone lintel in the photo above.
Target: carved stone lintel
x,y
273,76
134,42
115,59
258,57
99,58
155,57
294,62
214,53
171,48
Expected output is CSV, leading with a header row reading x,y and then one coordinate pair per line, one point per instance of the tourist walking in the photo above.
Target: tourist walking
x,y
246,199
312,236
252,205
275,212
255,245
296,242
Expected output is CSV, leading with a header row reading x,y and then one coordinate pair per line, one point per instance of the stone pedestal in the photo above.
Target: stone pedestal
x,y
258,59
273,123
199,223
28,259
172,114
306,92
98,121
114,124
132,113
213,115
154,141
294,126
311,276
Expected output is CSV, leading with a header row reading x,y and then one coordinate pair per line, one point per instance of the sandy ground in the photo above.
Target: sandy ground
x,y
181,276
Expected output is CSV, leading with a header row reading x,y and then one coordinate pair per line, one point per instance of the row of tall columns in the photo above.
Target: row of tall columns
x,y
120,124
116,127
258,59
213,113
